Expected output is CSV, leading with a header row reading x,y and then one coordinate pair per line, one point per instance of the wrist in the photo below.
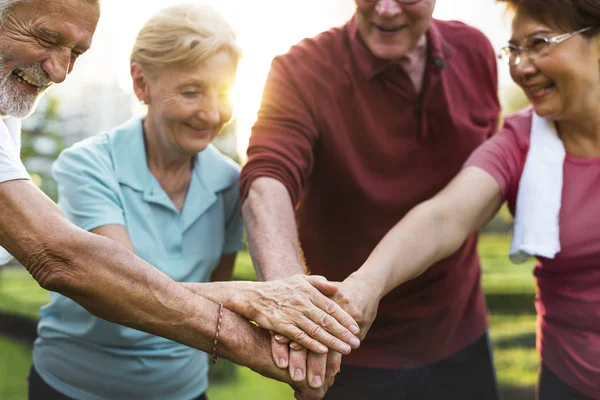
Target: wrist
x,y
366,285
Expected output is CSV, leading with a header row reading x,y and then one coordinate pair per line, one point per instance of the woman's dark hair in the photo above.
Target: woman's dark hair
x,y
563,15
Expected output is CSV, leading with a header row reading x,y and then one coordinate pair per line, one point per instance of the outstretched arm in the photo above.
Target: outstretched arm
x,y
431,231
112,283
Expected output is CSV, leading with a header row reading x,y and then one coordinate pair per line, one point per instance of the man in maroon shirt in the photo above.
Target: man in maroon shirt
x,y
357,126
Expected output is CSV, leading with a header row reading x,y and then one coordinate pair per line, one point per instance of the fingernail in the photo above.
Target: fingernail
x,y
316,381
298,375
282,363
355,342
278,337
355,329
347,349
323,348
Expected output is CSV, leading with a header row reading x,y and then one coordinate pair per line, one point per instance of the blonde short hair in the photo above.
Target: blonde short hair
x,y
183,35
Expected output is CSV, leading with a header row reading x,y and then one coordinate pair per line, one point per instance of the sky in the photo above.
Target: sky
x,y
264,28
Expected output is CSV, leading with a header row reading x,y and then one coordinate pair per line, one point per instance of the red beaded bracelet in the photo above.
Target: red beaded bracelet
x,y
216,340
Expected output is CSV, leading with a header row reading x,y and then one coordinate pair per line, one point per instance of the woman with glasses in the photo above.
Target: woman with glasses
x,y
545,163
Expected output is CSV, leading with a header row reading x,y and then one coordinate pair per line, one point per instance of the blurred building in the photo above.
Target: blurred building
x,y
95,108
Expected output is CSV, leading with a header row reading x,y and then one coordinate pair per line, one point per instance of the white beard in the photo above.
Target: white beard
x,y
13,101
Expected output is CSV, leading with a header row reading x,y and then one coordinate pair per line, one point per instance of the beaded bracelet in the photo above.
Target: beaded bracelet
x,y
216,340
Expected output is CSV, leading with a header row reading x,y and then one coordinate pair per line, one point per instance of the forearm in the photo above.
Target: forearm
x,y
271,230
101,275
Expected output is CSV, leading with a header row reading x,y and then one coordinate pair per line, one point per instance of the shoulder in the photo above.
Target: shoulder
x,y
461,35
317,54
518,127
469,45
218,169
97,154
90,153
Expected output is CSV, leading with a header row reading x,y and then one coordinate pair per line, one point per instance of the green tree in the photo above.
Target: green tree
x,y
41,144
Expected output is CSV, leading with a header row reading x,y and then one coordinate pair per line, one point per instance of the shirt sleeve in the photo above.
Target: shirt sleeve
x,y
284,135
11,167
234,223
503,157
88,190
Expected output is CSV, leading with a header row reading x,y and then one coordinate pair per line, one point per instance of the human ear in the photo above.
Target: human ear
x,y
140,83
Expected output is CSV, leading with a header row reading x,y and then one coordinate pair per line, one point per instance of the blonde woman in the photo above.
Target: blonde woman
x,y
157,186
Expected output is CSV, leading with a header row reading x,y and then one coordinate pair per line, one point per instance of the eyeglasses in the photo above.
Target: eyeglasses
x,y
535,47
401,2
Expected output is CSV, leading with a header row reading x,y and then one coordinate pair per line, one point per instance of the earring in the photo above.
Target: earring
x,y
143,102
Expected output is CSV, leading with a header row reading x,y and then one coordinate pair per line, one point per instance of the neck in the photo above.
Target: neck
x,y
171,168
413,63
581,136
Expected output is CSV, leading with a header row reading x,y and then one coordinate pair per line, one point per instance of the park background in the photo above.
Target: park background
x,y
98,96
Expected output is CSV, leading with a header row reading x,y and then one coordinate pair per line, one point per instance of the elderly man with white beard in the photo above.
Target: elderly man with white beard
x,y
40,40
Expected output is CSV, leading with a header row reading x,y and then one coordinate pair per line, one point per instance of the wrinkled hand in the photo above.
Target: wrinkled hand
x,y
356,298
295,308
360,301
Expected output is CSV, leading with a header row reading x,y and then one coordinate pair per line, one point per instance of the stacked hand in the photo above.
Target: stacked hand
x,y
315,368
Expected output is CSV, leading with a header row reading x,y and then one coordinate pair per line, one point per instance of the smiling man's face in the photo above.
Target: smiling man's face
x,y
40,41
390,29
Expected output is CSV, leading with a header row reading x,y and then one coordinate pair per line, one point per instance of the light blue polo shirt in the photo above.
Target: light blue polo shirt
x,y
105,180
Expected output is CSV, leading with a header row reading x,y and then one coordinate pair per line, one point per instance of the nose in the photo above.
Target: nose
x,y
522,67
523,63
58,65
388,8
210,109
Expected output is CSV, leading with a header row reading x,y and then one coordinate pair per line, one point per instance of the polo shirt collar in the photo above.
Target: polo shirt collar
x,y
439,50
131,169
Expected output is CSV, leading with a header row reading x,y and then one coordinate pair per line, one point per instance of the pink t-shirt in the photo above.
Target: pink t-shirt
x,y
568,286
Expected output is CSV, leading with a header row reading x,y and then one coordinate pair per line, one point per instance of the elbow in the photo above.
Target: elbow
x,y
446,231
50,264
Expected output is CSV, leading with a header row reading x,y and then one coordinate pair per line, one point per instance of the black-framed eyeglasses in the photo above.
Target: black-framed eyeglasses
x,y
401,2
535,47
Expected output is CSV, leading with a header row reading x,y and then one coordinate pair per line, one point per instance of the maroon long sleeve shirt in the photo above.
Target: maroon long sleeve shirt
x,y
357,147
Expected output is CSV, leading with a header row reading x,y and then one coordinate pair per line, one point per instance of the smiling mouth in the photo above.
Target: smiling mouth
x,y
539,91
204,130
25,79
388,29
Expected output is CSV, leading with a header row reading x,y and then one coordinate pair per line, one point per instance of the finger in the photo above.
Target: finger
x,y
295,346
331,326
297,364
334,362
330,307
280,353
322,336
315,369
280,338
322,284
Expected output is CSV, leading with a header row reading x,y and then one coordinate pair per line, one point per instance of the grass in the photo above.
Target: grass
x,y
509,290
15,359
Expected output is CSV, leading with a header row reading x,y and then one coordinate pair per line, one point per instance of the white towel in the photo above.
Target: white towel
x,y
536,230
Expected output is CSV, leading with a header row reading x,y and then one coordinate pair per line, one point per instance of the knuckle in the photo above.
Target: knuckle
x,y
331,307
327,321
299,336
332,342
314,331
